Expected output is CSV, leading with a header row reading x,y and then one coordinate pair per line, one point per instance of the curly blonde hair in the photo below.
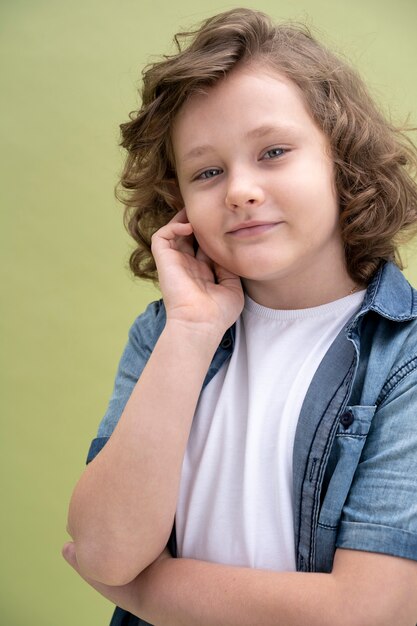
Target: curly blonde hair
x,y
375,162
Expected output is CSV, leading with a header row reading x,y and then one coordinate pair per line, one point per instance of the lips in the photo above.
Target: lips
x,y
248,229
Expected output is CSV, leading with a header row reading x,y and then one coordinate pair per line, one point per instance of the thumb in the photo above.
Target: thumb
x,y
223,274
69,554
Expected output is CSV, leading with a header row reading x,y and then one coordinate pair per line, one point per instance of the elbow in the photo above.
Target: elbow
x,y
99,564
99,560
108,556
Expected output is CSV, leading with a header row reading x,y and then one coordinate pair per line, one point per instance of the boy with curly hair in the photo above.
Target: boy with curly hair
x,y
267,404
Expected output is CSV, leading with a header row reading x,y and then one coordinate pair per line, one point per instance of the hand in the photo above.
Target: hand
x,y
196,290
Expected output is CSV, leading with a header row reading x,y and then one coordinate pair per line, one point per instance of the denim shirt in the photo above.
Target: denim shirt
x,y
355,448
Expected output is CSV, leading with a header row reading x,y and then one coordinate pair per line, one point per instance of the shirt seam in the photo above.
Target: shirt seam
x,y
398,375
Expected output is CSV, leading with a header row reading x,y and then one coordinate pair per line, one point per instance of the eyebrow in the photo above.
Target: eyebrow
x,y
255,133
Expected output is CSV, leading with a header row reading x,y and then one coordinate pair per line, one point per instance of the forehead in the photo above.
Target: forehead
x,y
247,101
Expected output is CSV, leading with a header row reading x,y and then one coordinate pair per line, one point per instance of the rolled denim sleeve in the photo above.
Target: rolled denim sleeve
x,y
142,337
380,513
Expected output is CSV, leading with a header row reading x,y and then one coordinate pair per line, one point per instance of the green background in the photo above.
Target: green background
x,y
69,76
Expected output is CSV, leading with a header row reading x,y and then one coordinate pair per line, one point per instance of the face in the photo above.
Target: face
x,y
257,181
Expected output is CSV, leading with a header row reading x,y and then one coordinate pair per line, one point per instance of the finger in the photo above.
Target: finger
x,y
166,236
202,256
223,275
174,229
181,216
185,243
70,555
68,552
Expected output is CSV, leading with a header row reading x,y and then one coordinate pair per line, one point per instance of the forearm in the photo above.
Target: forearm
x,y
123,507
364,589
184,592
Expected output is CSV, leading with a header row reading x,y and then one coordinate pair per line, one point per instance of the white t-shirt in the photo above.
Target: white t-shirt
x,y
235,502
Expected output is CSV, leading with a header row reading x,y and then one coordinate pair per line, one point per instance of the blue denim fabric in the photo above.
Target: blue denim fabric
x,y
355,449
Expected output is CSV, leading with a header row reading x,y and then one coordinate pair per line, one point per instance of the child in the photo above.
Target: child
x,y
268,403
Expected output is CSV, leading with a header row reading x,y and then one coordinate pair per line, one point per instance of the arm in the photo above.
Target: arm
x,y
122,509
364,589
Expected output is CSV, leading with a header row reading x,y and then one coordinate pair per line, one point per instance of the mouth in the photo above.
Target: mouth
x,y
251,229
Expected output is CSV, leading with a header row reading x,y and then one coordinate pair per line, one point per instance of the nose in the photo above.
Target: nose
x,y
243,190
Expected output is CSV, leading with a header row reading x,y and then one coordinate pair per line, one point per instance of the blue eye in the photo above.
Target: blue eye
x,y
273,153
211,173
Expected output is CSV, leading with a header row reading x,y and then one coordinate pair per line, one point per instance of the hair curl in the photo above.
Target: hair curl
x,y
375,162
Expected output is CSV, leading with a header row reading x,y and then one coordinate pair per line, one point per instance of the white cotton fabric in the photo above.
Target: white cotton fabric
x,y
235,502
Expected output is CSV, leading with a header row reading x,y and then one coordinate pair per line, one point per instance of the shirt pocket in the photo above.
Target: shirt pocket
x,y
351,433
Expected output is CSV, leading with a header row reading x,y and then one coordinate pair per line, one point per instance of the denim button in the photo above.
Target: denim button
x,y
226,343
347,419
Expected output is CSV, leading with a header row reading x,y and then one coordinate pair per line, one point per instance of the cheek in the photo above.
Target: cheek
x,y
197,222
196,210
316,199
207,242
209,239
201,226
202,218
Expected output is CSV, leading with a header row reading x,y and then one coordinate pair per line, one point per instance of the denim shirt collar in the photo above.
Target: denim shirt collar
x,y
390,295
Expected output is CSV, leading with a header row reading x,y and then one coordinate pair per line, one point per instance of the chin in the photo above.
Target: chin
x,y
254,275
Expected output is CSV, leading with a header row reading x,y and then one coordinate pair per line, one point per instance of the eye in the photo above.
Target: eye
x,y
274,153
211,173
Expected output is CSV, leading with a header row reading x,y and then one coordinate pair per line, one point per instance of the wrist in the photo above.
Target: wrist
x,y
203,336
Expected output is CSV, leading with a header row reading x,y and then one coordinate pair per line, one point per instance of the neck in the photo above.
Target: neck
x,y
303,290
